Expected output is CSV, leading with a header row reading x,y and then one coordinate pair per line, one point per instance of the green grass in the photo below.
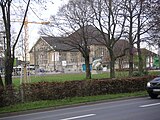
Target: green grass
x,y
154,72
69,101
67,77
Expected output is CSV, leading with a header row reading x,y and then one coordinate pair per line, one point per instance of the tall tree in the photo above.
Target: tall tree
x,y
109,19
10,9
153,10
136,29
130,6
139,30
10,48
73,21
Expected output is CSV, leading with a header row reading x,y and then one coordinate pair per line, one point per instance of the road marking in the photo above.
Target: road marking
x,y
149,105
82,116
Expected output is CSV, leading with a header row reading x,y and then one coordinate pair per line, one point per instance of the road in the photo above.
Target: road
x,y
130,109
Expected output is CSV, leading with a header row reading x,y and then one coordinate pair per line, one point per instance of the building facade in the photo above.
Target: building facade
x,y
52,54
49,55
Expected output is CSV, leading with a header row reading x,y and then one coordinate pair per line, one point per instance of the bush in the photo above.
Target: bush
x,y
58,90
68,89
42,91
9,96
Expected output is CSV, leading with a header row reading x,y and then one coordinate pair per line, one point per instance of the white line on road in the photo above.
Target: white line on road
x,y
82,116
149,105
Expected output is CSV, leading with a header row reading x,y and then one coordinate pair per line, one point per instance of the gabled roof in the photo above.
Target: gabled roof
x,y
147,52
91,33
56,43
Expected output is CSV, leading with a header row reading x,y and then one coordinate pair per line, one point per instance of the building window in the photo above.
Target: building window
x,y
74,57
100,52
63,56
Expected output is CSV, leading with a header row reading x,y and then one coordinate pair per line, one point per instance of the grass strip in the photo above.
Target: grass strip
x,y
67,101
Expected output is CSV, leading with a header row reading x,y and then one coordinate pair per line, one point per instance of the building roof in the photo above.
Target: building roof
x,y
91,33
65,43
56,43
147,52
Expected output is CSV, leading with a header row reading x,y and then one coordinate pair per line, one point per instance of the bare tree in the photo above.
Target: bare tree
x,y
9,52
9,9
136,28
73,21
130,32
110,20
152,8
140,24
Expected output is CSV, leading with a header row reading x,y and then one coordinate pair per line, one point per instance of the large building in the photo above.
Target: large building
x,y
52,54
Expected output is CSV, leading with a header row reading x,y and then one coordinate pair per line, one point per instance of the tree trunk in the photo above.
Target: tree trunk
x,y
131,60
8,71
140,59
112,64
131,45
1,82
120,64
140,62
112,69
88,71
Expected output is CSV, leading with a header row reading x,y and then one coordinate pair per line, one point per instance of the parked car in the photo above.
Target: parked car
x,y
153,87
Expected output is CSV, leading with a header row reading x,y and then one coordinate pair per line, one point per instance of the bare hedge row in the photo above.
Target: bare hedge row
x,y
61,90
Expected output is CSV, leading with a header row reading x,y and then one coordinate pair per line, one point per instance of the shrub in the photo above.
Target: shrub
x,y
9,96
58,90
68,89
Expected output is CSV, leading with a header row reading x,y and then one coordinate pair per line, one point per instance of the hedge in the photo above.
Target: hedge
x,y
61,90
9,96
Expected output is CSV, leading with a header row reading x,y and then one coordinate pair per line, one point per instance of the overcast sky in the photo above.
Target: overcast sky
x,y
45,16
37,14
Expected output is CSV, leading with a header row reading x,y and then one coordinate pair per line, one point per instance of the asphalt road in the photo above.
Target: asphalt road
x,y
131,109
